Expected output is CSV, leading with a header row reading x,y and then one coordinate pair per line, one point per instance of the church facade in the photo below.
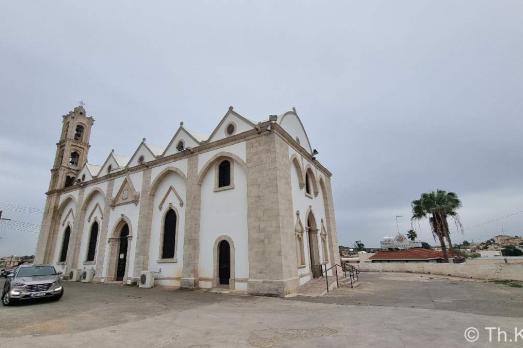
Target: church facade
x,y
248,208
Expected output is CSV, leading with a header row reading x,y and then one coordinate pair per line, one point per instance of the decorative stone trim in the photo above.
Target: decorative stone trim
x,y
173,190
126,194
224,188
93,211
173,260
89,263
70,212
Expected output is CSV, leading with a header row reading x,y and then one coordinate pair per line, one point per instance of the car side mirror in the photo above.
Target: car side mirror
x,y
59,273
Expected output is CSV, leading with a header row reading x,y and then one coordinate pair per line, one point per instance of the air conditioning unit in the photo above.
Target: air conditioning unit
x,y
87,275
74,275
146,280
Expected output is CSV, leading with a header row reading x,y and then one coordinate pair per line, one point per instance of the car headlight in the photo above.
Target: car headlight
x,y
18,284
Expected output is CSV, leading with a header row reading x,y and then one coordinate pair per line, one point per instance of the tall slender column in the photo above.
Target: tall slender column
x,y
76,233
45,247
143,234
331,224
102,238
191,247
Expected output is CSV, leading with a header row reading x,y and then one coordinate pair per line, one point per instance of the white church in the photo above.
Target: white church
x,y
247,208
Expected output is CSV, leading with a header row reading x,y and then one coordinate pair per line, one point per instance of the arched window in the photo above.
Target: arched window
x,y
65,244
79,132
69,181
109,168
224,173
180,146
230,129
308,183
73,160
169,235
93,238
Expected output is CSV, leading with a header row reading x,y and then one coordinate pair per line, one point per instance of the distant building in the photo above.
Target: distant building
x,y
399,242
504,240
13,261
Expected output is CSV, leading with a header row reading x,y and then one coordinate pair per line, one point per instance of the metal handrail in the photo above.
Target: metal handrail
x,y
353,274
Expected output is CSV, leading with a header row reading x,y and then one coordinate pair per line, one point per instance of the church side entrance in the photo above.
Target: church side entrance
x,y
122,253
314,252
224,262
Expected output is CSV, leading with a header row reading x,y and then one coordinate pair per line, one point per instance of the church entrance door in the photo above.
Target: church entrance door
x,y
224,262
122,253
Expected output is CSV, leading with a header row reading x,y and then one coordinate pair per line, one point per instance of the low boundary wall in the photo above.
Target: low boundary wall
x,y
489,271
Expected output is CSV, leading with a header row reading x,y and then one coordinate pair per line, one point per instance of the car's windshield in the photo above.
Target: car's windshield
x,y
35,271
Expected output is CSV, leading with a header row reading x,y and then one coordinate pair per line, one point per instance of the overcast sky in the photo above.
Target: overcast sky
x,y
399,97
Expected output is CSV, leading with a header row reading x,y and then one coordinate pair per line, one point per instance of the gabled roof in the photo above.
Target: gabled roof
x,y
93,169
157,150
231,113
291,123
142,147
86,172
120,162
183,132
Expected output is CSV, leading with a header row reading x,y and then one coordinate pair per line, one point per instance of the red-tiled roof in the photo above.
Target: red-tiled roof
x,y
408,254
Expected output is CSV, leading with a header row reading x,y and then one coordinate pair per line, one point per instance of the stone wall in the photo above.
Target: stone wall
x,y
271,246
476,270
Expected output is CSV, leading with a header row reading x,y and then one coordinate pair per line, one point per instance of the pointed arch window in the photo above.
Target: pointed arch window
x,y
75,157
65,245
308,183
169,235
93,238
79,132
224,174
69,181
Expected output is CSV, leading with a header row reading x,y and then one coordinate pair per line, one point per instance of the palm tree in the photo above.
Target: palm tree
x,y
412,235
438,205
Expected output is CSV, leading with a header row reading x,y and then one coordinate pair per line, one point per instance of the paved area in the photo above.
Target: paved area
x,y
391,310
407,290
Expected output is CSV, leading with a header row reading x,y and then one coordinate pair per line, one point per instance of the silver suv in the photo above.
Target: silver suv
x,y
30,282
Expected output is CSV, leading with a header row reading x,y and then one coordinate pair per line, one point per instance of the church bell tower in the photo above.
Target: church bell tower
x,y
71,156
71,149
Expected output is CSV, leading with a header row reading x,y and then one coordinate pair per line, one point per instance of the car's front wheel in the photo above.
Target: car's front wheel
x,y
59,296
7,300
